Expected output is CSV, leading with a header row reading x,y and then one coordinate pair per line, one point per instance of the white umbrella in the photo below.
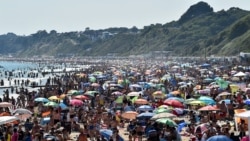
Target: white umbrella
x,y
133,94
5,104
23,117
7,119
22,111
239,74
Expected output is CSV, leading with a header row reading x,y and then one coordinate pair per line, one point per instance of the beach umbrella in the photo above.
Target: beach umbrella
x,y
54,98
81,97
5,104
129,115
23,117
76,102
117,93
167,121
107,134
91,93
51,103
62,96
63,106
22,111
201,128
145,108
163,115
176,98
97,73
41,99
146,115
224,94
175,92
197,102
162,110
133,94
222,83
247,101
7,119
73,92
219,138
207,100
240,74
209,108
227,101
141,101
95,85
187,101
164,106
173,103
157,93
92,79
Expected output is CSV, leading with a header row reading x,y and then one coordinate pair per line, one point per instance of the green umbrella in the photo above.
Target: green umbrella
x,y
51,103
73,92
119,99
162,110
222,83
197,102
187,101
167,121
134,99
98,73
91,93
92,79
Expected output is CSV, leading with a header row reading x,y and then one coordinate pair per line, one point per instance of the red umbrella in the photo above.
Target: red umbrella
x,y
174,103
209,108
81,97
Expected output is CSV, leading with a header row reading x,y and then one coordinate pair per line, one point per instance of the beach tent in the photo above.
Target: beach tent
x,y
243,115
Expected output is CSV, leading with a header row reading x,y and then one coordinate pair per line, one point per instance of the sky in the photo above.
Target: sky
x,y
25,17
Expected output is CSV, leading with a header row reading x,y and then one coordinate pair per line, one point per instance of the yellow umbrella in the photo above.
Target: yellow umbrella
x,y
54,98
197,102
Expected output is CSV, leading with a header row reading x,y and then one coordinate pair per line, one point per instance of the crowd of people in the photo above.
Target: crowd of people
x,y
91,104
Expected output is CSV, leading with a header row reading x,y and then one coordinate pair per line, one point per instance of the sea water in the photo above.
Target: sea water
x,y
13,65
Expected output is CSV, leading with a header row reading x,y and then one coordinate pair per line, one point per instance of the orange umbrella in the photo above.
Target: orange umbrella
x,y
62,96
174,103
45,114
209,108
129,115
141,101
175,92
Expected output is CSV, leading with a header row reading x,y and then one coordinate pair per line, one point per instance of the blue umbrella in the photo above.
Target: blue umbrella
x,y
205,65
146,115
227,101
207,100
106,133
247,101
219,138
63,106
41,99
129,108
145,108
